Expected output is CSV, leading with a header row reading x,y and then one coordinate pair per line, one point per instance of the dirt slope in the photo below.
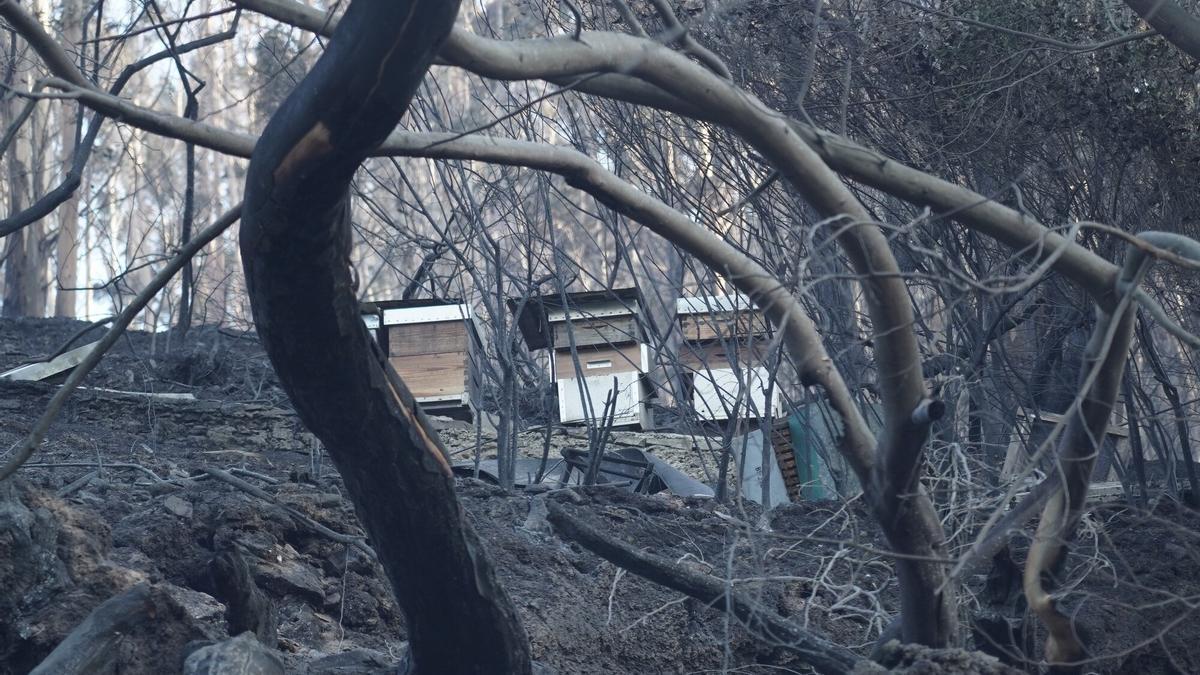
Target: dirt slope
x,y
144,517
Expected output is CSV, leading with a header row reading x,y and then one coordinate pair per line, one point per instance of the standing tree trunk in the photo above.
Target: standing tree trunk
x,y
1136,452
296,244
187,291
22,255
67,253
20,251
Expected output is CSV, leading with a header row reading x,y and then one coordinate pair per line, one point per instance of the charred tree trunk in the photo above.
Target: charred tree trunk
x,y
296,241
187,290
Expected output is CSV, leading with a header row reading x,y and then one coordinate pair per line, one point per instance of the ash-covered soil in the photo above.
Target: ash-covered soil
x,y
210,363
134,505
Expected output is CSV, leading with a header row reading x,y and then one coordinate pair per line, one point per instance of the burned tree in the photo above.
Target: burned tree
x,y
295,245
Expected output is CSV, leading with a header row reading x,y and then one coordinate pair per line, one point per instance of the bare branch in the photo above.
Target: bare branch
x,y
823,655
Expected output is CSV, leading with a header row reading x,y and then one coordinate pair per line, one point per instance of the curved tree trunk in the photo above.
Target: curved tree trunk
x,y
296,244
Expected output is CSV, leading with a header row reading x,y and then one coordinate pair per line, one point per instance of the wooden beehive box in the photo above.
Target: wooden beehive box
x,y
430,344
596,351
725,341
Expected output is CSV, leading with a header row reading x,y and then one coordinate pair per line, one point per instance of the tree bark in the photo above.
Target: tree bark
x,y
67,247
296,242
1100,380
22,269
1136,452
21,253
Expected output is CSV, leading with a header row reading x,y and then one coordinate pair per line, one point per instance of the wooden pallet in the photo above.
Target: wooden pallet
x,y
785,457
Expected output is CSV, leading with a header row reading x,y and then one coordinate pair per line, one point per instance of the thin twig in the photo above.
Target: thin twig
x,y
104,465
1049,41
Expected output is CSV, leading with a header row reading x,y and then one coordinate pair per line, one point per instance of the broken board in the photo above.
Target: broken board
x,y
35,372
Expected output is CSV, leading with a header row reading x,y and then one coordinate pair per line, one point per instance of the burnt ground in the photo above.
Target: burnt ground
x,y
144,516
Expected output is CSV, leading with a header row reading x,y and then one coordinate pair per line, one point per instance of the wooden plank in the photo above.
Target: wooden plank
x,y
1097,493
700,356
615,331
432,374
604,360
1017,457
721,326
415,339
593,309
158,396
785,457
34,372
1056,418
1101,492
713,304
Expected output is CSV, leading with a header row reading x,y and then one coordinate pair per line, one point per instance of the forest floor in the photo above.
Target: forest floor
x,y
143,515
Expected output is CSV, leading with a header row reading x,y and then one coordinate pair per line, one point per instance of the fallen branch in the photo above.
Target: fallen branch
x,y
77,484
238,471
822,654
350,540
97,465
